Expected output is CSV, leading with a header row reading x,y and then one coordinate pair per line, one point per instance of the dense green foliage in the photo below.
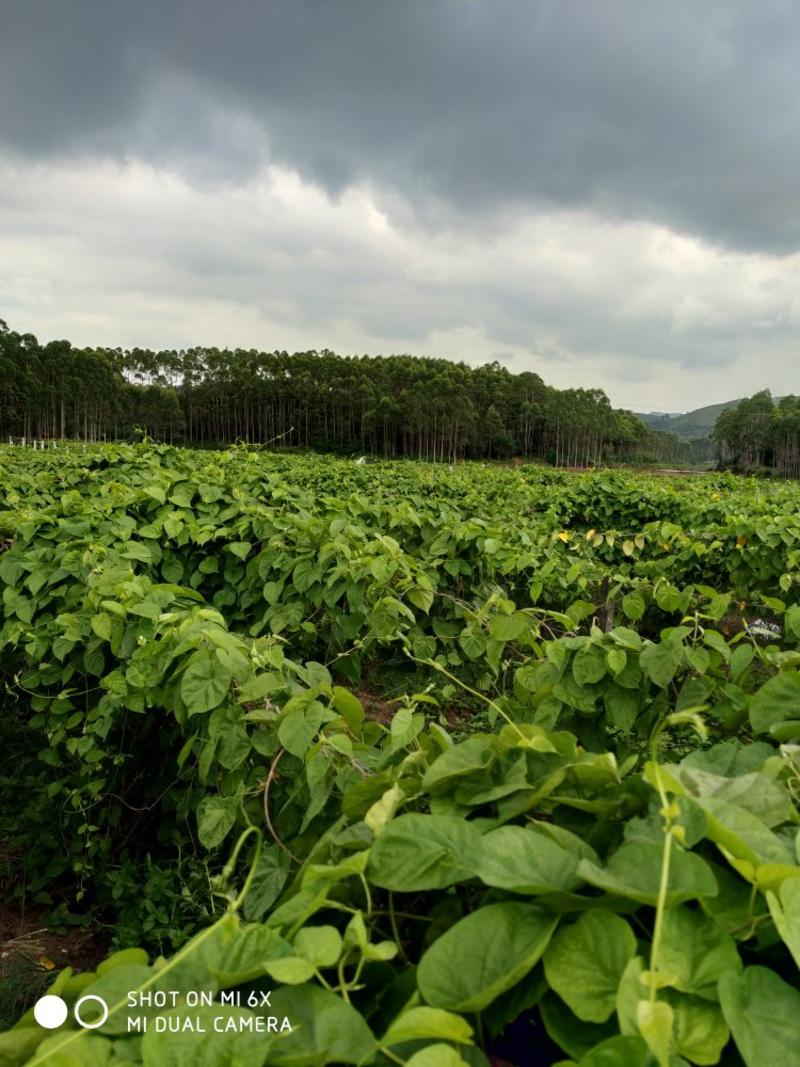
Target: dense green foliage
x,y
399,406
578,816
760,433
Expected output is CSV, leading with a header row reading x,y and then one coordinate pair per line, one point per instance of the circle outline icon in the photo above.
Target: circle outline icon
x,y
83,1000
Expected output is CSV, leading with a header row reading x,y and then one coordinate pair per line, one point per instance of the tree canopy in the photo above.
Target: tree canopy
x,y
390,406
759,432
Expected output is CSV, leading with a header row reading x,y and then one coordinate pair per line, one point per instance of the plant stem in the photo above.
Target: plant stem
x,y
342,979
396,929
661,907
391,1056
481,696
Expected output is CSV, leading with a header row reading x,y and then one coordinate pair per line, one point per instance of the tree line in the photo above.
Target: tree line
x,y
411,406
761,434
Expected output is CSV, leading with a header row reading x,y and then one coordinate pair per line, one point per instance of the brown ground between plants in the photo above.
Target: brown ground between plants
x,y
27,944
383,711
27,936
31,955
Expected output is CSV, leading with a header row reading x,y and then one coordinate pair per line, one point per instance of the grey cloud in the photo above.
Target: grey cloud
x,y
685,114
557,293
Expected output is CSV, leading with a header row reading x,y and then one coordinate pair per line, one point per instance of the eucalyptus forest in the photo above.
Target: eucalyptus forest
x,y
761,434
421,408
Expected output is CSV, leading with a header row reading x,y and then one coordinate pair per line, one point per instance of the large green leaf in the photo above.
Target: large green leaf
x,y
758,795
437,1055
734,906
234,954
589,665
763,1013
349,707
215,818
619,1051
654,1020
634,871
622,706
325,1029
524,862
299,726
784,907
633,605
90,1051
692,1027
730,758
113,986
431,1023
754,792
205,682
564,838
483,955
585,962
322,945
218,1036
660,661
699,1029
508,627
226,727
474,754
776,701
742,834
269,879
630,991
696,952
416,852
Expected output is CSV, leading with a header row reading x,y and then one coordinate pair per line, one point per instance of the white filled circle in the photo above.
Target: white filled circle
x,y
98,1022
50,1011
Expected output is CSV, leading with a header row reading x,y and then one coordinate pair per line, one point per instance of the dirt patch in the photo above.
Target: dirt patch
x,y
31,955
27,935
458,717
377,708
682,471
383,711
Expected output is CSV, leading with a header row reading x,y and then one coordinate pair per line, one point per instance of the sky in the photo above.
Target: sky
x,y
606,192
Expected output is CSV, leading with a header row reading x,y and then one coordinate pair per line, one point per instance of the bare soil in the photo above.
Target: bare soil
x,y
31,955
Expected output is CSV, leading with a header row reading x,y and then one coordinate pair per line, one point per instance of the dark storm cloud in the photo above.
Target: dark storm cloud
x,y
683,113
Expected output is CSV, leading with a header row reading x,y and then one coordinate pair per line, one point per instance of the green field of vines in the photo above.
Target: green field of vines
x,y
400,763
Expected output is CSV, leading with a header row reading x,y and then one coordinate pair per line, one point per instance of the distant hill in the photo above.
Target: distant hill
x,y
697,423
